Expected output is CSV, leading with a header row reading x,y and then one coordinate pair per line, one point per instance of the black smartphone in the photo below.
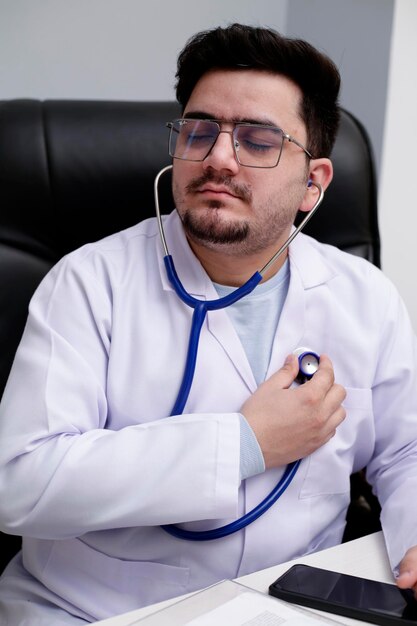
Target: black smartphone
x,y
359,598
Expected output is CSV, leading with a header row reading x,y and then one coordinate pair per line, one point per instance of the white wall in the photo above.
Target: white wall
x,y
102,49
397,192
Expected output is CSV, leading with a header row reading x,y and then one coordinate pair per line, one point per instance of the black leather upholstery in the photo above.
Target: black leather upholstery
x,y
75,171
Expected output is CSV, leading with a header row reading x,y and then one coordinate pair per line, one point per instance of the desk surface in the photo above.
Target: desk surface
x,y
365,557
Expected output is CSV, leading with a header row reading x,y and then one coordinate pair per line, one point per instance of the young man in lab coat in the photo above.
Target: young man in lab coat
x,y
91,465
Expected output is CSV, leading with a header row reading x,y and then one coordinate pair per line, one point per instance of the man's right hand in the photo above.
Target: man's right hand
x,y
290,423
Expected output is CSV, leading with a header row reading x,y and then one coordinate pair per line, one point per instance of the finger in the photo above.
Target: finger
x,y
329,427
407,579
285,376
323,379
333,399
333,422
408,569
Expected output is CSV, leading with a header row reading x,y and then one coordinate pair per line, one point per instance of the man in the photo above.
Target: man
x,y
91,465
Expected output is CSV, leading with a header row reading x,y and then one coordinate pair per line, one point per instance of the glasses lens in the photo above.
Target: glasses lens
x,y
192,139
258,146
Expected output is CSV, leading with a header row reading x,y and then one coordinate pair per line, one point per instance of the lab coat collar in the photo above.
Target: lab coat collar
x,y
308,269
304,254
189,269
307,260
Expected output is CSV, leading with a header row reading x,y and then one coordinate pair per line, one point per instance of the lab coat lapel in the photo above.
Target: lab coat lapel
x,y
198,284
291,324
307,272
221,327
188,267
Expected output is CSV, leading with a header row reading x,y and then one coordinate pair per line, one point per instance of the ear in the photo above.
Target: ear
x,y
320,172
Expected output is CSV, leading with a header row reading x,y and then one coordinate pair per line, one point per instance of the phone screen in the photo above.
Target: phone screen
x,y
351,596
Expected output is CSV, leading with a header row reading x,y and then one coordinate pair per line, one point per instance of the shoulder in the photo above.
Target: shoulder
x,y
349,280
310,253
114,249
127,242
102,265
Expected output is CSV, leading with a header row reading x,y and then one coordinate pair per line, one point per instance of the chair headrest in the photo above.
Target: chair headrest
x,y
75,171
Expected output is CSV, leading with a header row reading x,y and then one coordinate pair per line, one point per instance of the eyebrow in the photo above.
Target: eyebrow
x,y
204,115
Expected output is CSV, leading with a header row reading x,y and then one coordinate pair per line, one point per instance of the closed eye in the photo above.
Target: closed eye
x,y
199,138
259,140
255,146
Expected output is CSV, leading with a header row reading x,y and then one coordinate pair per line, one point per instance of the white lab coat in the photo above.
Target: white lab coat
x,y
90,464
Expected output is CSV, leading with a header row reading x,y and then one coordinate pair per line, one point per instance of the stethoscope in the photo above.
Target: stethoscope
x,y
308,363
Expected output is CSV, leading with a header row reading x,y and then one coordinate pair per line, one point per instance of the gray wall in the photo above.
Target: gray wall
x,y
356,34
108,48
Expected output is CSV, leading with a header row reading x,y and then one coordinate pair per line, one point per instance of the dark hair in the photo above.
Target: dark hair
x,y
238,46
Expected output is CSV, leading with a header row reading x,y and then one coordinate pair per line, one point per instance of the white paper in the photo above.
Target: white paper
x,y
250,609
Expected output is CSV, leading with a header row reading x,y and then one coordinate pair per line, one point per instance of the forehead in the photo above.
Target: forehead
x,y
254,95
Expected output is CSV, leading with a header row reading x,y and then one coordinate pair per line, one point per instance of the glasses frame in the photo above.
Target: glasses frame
x,y
235,143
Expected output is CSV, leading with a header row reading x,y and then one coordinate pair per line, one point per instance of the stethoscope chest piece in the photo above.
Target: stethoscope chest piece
x,y
308,363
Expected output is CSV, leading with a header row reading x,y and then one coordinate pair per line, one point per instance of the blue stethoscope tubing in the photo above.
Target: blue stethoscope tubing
x,y
201,307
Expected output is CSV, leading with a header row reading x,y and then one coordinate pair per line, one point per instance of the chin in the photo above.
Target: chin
x,y
211,228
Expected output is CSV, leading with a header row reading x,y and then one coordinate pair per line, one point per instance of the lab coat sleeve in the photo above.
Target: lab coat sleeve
x,y
393,468
62,473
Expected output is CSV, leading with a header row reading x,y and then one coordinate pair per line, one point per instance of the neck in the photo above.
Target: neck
x,y
234,269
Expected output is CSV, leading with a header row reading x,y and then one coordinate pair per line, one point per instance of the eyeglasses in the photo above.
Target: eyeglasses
x,y
254,145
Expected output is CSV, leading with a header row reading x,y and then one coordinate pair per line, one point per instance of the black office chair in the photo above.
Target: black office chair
x,y
75,171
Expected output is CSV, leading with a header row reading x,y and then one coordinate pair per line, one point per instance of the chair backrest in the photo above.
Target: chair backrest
x,y
75,171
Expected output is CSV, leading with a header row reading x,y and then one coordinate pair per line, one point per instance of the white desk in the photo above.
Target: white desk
x,y
366,557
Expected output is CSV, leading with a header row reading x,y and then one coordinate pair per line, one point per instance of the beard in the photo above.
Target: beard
x,y
206,224
210,228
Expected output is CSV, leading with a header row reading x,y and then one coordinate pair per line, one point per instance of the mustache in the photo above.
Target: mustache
x,y
241,191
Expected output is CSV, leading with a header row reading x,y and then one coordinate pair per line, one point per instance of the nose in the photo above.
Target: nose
x,y
222,156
